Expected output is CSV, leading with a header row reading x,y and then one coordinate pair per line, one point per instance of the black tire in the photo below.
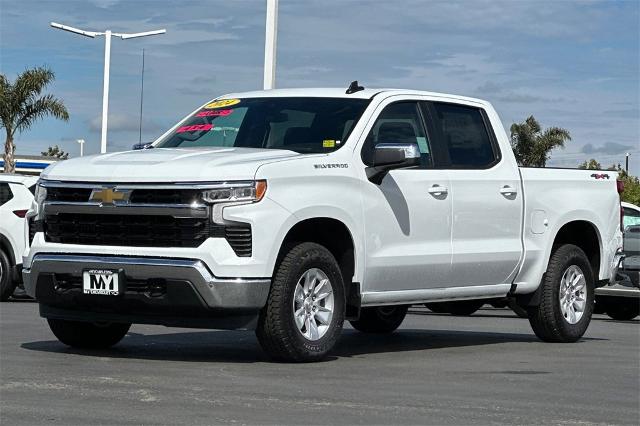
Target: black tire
x,y
599,306
547,319
277,331
380,319
622,308
517,309
88,335
461,308
7,285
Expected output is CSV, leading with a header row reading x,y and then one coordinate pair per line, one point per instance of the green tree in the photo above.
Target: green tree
x,y
22,104
590,165
631,193
55,151
532,146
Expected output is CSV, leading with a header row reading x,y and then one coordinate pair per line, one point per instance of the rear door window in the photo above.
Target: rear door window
x,y
464,136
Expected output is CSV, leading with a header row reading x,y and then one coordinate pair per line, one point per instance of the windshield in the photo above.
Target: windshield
x,y
298,124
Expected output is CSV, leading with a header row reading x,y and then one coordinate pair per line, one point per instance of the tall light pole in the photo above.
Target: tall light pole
x,y
271,36
81,142
626,162
107,59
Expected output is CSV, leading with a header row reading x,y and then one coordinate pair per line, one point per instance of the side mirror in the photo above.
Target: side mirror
x,y
147,145
390,156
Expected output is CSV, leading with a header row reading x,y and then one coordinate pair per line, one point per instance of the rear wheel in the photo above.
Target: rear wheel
x,y
380,319
6,283
88,335
566,302
461,308
622,308
304,314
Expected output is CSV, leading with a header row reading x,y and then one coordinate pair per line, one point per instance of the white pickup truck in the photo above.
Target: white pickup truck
x,y
290,211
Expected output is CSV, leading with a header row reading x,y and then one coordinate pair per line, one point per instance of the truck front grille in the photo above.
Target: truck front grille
x,y
140,196
126,230
142,231
150,216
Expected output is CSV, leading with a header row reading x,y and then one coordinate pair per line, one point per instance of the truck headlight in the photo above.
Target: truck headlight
x,y
38,198
236,192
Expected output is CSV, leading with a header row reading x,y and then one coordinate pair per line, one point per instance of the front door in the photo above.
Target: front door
x,y
408,216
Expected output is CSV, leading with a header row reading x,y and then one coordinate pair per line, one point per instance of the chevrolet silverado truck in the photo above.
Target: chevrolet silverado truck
x,y
290,211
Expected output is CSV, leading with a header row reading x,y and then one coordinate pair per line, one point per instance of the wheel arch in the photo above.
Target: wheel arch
x,y
336,236
579,232
584,234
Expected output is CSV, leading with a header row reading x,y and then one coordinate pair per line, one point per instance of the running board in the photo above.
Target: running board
x,y
409,297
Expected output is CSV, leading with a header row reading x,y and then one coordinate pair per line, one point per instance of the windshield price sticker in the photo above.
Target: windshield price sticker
x,y
215,113
195,128
222,103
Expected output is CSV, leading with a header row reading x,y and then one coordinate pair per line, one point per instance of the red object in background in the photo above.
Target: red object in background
x,y
20,213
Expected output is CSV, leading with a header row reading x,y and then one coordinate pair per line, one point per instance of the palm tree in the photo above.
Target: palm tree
x,y
21,105
532,146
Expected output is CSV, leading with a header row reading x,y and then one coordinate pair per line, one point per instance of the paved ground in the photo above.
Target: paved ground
x,y
437,369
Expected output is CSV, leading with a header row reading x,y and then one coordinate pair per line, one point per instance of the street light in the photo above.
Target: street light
x,y
107,59
626,162
81,142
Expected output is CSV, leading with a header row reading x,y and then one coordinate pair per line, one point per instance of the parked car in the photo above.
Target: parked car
x,y
16,195
621,299
290,211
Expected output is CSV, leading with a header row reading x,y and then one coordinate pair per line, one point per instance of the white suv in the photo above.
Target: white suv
x,y
16,194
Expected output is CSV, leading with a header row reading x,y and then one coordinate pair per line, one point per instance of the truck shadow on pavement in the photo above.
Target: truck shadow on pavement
x,y
242,346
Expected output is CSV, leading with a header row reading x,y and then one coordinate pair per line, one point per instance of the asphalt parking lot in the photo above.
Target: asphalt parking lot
x,y
437,369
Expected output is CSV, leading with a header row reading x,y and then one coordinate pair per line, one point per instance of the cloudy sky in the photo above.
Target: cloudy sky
x,y
573,64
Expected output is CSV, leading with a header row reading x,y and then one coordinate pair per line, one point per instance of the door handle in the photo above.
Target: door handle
x,y
508,191
438,190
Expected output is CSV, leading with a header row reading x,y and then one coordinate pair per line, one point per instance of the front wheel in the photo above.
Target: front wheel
x,y
381,319
304,314
88,335
567,294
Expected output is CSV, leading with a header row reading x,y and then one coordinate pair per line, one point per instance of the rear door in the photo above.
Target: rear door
x,y
485,193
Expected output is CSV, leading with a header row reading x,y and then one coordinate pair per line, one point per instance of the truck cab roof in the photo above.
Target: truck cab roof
x,y
335,92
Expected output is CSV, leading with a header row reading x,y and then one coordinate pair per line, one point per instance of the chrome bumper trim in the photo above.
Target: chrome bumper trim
x,y
234,293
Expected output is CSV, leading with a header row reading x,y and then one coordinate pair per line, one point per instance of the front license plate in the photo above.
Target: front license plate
x,y
100,281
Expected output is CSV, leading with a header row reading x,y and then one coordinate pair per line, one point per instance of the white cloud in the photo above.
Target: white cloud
x,y
123,123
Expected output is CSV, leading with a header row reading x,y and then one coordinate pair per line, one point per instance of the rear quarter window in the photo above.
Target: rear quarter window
x,y
5,193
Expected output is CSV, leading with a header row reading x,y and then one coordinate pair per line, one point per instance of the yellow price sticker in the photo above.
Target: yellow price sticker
x,y
328,143
222,103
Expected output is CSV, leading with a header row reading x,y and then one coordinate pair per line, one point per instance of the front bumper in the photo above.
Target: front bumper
x,y
156,291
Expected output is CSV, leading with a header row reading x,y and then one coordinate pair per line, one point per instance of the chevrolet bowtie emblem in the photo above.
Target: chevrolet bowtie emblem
x,y
110,195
